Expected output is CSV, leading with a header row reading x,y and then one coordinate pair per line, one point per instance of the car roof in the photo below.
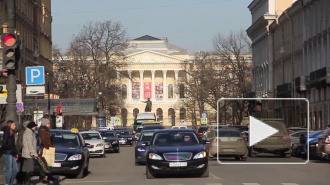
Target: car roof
x,y
144,131
62,131
90,132
174,130
227,129
106,131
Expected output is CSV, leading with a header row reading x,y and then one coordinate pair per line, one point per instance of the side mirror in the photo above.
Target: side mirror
x,y
104,138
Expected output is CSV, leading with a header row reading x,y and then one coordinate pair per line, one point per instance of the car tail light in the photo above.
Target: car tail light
x,y
327,141
290,131
200,134
286,138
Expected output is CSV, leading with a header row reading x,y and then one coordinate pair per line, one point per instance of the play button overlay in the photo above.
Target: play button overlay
x,y
259,131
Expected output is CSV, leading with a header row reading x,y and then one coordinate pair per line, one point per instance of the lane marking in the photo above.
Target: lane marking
x,y
251,183
215,177
213,184
79,182
289,183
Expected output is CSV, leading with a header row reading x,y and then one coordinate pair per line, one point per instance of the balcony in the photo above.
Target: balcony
x,y
320,78
301,83
284,90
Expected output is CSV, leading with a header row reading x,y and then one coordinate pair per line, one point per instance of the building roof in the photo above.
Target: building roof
x,y
148,42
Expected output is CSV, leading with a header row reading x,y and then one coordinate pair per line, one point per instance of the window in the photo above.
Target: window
x,y
170,91
181,90
124,91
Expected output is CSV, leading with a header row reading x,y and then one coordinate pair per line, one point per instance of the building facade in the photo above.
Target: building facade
x,y
33,22
299,55
154,71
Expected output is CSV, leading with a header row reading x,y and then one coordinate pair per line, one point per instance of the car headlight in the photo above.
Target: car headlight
x,y
141,149
100,145
75,157
200,155
114,142
154,156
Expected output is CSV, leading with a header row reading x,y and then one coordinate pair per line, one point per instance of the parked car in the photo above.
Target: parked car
x,y
141,146
124,137
174,151
202,130
231,144
296,147
95,143
279,143
324,144
295,129
111,141
72,155
179,127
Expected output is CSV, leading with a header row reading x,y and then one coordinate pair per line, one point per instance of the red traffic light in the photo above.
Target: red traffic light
x,y
9,40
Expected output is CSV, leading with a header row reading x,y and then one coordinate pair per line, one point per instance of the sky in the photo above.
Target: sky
x,y
191,24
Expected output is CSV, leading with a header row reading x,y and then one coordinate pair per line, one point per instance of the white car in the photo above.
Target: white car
x,y
96,144
179,127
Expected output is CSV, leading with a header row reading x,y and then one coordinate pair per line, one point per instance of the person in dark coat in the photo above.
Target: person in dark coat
x,y
29,150
9,151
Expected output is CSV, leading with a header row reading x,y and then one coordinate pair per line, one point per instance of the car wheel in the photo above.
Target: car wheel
x,y
81,173
118,150
252,154
237,158
148,174
86,169
206,173
103,156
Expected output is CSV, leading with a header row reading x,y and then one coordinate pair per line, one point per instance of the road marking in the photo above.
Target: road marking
x,y
175,184
213,184
85,182
251,183
215,177
289,183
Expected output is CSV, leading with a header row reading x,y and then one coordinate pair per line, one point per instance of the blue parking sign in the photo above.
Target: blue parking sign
x,y
35,75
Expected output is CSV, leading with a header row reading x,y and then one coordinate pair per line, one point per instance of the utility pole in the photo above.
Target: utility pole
x,y
11,82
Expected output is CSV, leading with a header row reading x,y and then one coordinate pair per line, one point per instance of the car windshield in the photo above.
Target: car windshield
x,y
146,136
65,140
228,133
175,139
122,133
88,136
107,134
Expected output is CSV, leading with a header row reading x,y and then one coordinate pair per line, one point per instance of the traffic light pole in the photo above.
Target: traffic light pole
x,y
11,79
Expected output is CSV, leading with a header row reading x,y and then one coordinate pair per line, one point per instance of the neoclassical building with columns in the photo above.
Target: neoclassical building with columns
x,y
154,69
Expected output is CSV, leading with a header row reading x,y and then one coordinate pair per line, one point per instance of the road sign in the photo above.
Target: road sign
x,y
259,131
204,115
35,75
38,115
3,95
117,121
59,121
19,107
203,120
35,90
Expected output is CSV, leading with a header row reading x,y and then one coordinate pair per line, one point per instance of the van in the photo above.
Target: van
x,y
142,117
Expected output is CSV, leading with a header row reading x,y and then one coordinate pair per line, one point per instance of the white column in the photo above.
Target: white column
x,y
176,87
129,94
141,85
164,86
153,93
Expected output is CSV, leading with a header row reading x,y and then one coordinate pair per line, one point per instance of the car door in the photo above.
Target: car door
x,y
85,150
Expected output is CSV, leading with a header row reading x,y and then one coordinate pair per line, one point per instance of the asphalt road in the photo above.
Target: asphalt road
x,y
119,169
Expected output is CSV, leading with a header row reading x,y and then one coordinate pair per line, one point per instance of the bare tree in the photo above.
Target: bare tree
x,y
91,64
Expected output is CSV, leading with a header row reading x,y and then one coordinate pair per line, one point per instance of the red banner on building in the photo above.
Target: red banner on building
x,y
147,90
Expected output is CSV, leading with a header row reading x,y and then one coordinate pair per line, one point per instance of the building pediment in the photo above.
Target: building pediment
x,y
148,56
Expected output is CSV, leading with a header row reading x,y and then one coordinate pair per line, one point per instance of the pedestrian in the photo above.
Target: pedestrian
x,y
29,150
9,151
19,145
45,143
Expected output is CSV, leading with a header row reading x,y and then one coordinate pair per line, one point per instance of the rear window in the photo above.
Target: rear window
x,y
278,125
146,136
202,129
228,133
153,127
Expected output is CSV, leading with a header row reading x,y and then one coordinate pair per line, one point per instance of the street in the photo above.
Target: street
x,y
119,169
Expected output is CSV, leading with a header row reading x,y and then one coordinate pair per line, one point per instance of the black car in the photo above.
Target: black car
x,y
141,146
124,137
176,151
202,130
153,127
111,140
72,155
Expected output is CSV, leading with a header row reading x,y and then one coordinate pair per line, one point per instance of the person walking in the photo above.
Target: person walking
x,y
29,150
45,143
9,152
19,145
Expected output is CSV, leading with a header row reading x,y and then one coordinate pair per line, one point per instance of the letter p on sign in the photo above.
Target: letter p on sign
x,y
35,75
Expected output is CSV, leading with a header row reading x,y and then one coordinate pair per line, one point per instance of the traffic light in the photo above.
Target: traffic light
x,y
11,49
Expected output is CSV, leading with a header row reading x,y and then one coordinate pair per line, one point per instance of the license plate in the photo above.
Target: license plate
x,y
178,164
57,165
229,150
